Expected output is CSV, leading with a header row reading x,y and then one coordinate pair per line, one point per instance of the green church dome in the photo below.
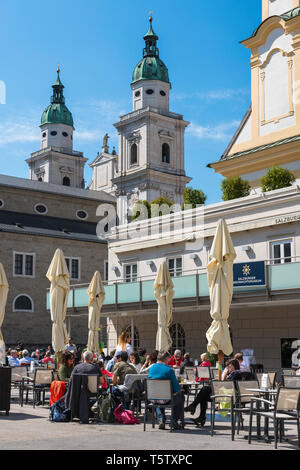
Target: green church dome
x,y
151,67
57,112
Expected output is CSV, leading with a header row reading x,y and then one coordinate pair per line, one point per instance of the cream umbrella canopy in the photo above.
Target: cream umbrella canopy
x,y
59,277
220,281
164,293
3,299
96,294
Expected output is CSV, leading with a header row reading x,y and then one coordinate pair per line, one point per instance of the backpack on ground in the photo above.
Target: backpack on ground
x,y
125,416
59,413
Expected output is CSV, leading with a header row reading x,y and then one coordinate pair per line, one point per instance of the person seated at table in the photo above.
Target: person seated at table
x,y
66,368
162,370
150,360
120,370
26,359
48,359
105,374
142,355
13,360
176,359
71,347
202,398
204,363
110,364
187,362
134,359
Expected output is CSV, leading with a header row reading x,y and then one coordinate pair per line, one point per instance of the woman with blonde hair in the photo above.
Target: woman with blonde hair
x,y
124,343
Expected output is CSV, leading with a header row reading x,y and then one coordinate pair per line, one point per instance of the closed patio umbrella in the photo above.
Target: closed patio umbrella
x,y
220,281
59,277
3,299
164,293
96,294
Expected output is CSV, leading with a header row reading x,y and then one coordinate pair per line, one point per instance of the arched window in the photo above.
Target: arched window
x,y
23,303
165,153
135,342
178,337
66,181
133,154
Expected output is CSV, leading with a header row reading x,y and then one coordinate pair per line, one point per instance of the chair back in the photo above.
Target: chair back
x,y
272,376
17,373
130,379
214,373
191,373
259,378
287,399
226,387
290,381
43,376
257,368
203,372
288,372
158,389
243,389
93,384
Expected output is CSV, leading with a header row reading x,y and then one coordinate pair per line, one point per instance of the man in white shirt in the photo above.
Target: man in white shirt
x,y
71,347
26,359
13,360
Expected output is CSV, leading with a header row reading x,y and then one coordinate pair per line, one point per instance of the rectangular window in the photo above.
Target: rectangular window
x,y
175,266
281,251
24,264
73,265
105,270
130,272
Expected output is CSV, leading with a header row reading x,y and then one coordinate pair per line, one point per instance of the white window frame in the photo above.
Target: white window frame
x,y
32,276
175,258
131,277
281,242
25,311
70,258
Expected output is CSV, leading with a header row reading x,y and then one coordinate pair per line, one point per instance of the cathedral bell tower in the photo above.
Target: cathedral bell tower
x,y
57,162
151,138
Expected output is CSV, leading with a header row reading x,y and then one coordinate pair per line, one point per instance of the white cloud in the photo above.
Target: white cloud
x,y
223,131
211,95
11,133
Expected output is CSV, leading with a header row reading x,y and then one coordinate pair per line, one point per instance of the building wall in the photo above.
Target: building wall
x,y
257,328
36,327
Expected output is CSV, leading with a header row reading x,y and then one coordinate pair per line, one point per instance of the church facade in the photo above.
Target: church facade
x,y
269,133
150,161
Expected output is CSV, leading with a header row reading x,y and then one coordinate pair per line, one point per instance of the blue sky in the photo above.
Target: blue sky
x,y
98,44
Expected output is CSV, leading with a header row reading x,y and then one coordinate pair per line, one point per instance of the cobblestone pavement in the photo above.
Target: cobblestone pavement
x,y
29,428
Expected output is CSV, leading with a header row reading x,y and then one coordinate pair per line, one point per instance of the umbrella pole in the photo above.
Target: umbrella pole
x,y
220,361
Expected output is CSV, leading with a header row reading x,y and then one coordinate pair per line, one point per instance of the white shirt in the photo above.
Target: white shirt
x,y
129,349
70,348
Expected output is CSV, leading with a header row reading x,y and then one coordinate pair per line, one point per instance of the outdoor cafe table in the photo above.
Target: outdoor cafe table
x,y
266,394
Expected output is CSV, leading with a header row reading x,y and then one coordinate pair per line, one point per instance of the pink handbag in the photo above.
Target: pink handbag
x,y
125,416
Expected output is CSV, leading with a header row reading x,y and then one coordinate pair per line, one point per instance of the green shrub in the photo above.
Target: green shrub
x,y
233,188
276,178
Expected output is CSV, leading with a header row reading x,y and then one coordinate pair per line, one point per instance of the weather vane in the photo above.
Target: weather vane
x,y
151,17
58,68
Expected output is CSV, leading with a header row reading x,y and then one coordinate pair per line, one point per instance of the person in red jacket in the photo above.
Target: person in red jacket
x,y
204,363
105,374
175,360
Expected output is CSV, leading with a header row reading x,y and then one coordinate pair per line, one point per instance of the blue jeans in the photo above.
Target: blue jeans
x,y
177,411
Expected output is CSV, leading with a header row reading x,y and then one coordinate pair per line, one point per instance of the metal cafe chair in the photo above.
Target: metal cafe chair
x,y
291,381
286,407
223,392
40,383
244,396
157,389
204,373
136,390
191,375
